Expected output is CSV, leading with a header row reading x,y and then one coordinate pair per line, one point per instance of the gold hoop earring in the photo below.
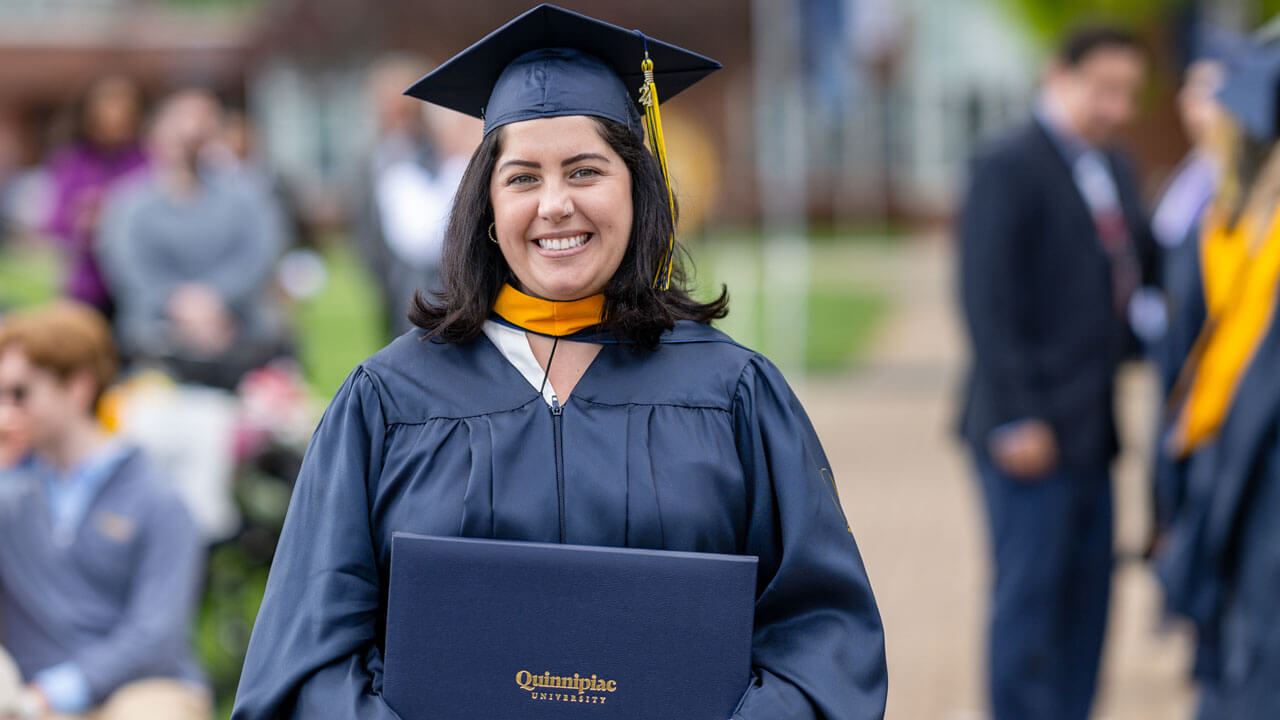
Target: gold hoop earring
x,y
492,239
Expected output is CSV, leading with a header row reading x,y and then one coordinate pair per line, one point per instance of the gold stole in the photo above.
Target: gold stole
x,y
1240,275
548,317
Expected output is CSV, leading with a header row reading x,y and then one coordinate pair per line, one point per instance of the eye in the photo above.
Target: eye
x,y
584,172
522,179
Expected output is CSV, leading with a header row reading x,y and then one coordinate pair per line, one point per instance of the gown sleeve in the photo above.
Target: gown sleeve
x,y
818,645
313,652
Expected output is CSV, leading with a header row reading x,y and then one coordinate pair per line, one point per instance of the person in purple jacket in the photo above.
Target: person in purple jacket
x,y
106,149
101,563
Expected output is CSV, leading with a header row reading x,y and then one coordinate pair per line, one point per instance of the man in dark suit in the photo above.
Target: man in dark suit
x,y
1052,249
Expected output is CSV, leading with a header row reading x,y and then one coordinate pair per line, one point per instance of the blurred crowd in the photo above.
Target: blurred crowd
x,y
1064,276
152,418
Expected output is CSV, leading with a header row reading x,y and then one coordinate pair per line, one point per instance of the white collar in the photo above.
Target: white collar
x,y
514,346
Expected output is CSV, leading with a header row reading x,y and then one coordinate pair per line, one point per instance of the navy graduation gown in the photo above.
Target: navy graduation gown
x,y
1222,567
1184,292
699,445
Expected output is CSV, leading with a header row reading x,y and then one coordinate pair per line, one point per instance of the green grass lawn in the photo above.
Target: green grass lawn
x,y
340,326
841,315
841,322
28,275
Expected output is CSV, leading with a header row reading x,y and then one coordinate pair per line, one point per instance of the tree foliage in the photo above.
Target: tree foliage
x,y
1048,19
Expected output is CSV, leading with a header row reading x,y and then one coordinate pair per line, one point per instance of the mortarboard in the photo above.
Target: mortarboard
x,y
551,62
1251,92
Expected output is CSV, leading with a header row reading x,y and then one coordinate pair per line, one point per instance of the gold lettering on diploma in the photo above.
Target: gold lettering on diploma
x,y
581,689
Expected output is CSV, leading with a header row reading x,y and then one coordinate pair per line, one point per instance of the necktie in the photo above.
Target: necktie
x,y
1099,190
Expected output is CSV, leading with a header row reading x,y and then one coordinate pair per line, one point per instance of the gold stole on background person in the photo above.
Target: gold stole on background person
x,y
1240,269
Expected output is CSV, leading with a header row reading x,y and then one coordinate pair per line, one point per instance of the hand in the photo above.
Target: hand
x,y
201,320
1027,450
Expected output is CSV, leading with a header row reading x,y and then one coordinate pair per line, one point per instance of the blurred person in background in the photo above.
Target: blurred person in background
x,y
107,148
190,250
238,151
1176,227
101,564
1196,177
1052,242
407,185
1221,564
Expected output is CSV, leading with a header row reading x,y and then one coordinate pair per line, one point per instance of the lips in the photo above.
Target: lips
x,y
563,243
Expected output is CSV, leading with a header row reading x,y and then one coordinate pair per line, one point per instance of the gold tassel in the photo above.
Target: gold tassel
x,y
653,124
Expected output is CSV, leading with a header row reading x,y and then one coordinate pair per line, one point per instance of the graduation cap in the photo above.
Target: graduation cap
x,y
552,62
1251,92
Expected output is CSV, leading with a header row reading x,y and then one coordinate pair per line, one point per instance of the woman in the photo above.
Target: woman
x,y
107,149
557,393
1221,566
1176,226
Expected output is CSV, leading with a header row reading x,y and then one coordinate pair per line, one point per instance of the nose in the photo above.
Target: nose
x,y
555,204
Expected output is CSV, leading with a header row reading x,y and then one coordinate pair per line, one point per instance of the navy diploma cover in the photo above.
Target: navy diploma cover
x,y
505,630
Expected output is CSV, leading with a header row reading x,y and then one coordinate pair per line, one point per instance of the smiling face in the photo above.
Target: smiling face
x,y
562,206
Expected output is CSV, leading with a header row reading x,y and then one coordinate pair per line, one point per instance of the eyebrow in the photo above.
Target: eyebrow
x,y
521,163
575,159
584,156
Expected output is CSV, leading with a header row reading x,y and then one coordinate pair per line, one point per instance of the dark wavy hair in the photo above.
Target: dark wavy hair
x,y
473,269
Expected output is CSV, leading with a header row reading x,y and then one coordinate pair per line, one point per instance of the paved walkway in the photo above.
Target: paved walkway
x,y
911,502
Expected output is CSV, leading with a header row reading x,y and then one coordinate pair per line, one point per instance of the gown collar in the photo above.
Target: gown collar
x,y
548,317
514,346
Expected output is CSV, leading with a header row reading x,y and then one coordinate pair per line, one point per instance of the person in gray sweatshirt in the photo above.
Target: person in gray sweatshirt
x,y
100,562
189,251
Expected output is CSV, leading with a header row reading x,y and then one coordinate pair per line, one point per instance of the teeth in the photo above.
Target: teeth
x,y
566,243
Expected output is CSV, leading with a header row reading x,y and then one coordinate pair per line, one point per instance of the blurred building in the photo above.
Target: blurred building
x,y
929,79
900,92
50,50
970,71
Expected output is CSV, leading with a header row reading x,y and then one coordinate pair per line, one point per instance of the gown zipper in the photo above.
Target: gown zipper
x,y
557,413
